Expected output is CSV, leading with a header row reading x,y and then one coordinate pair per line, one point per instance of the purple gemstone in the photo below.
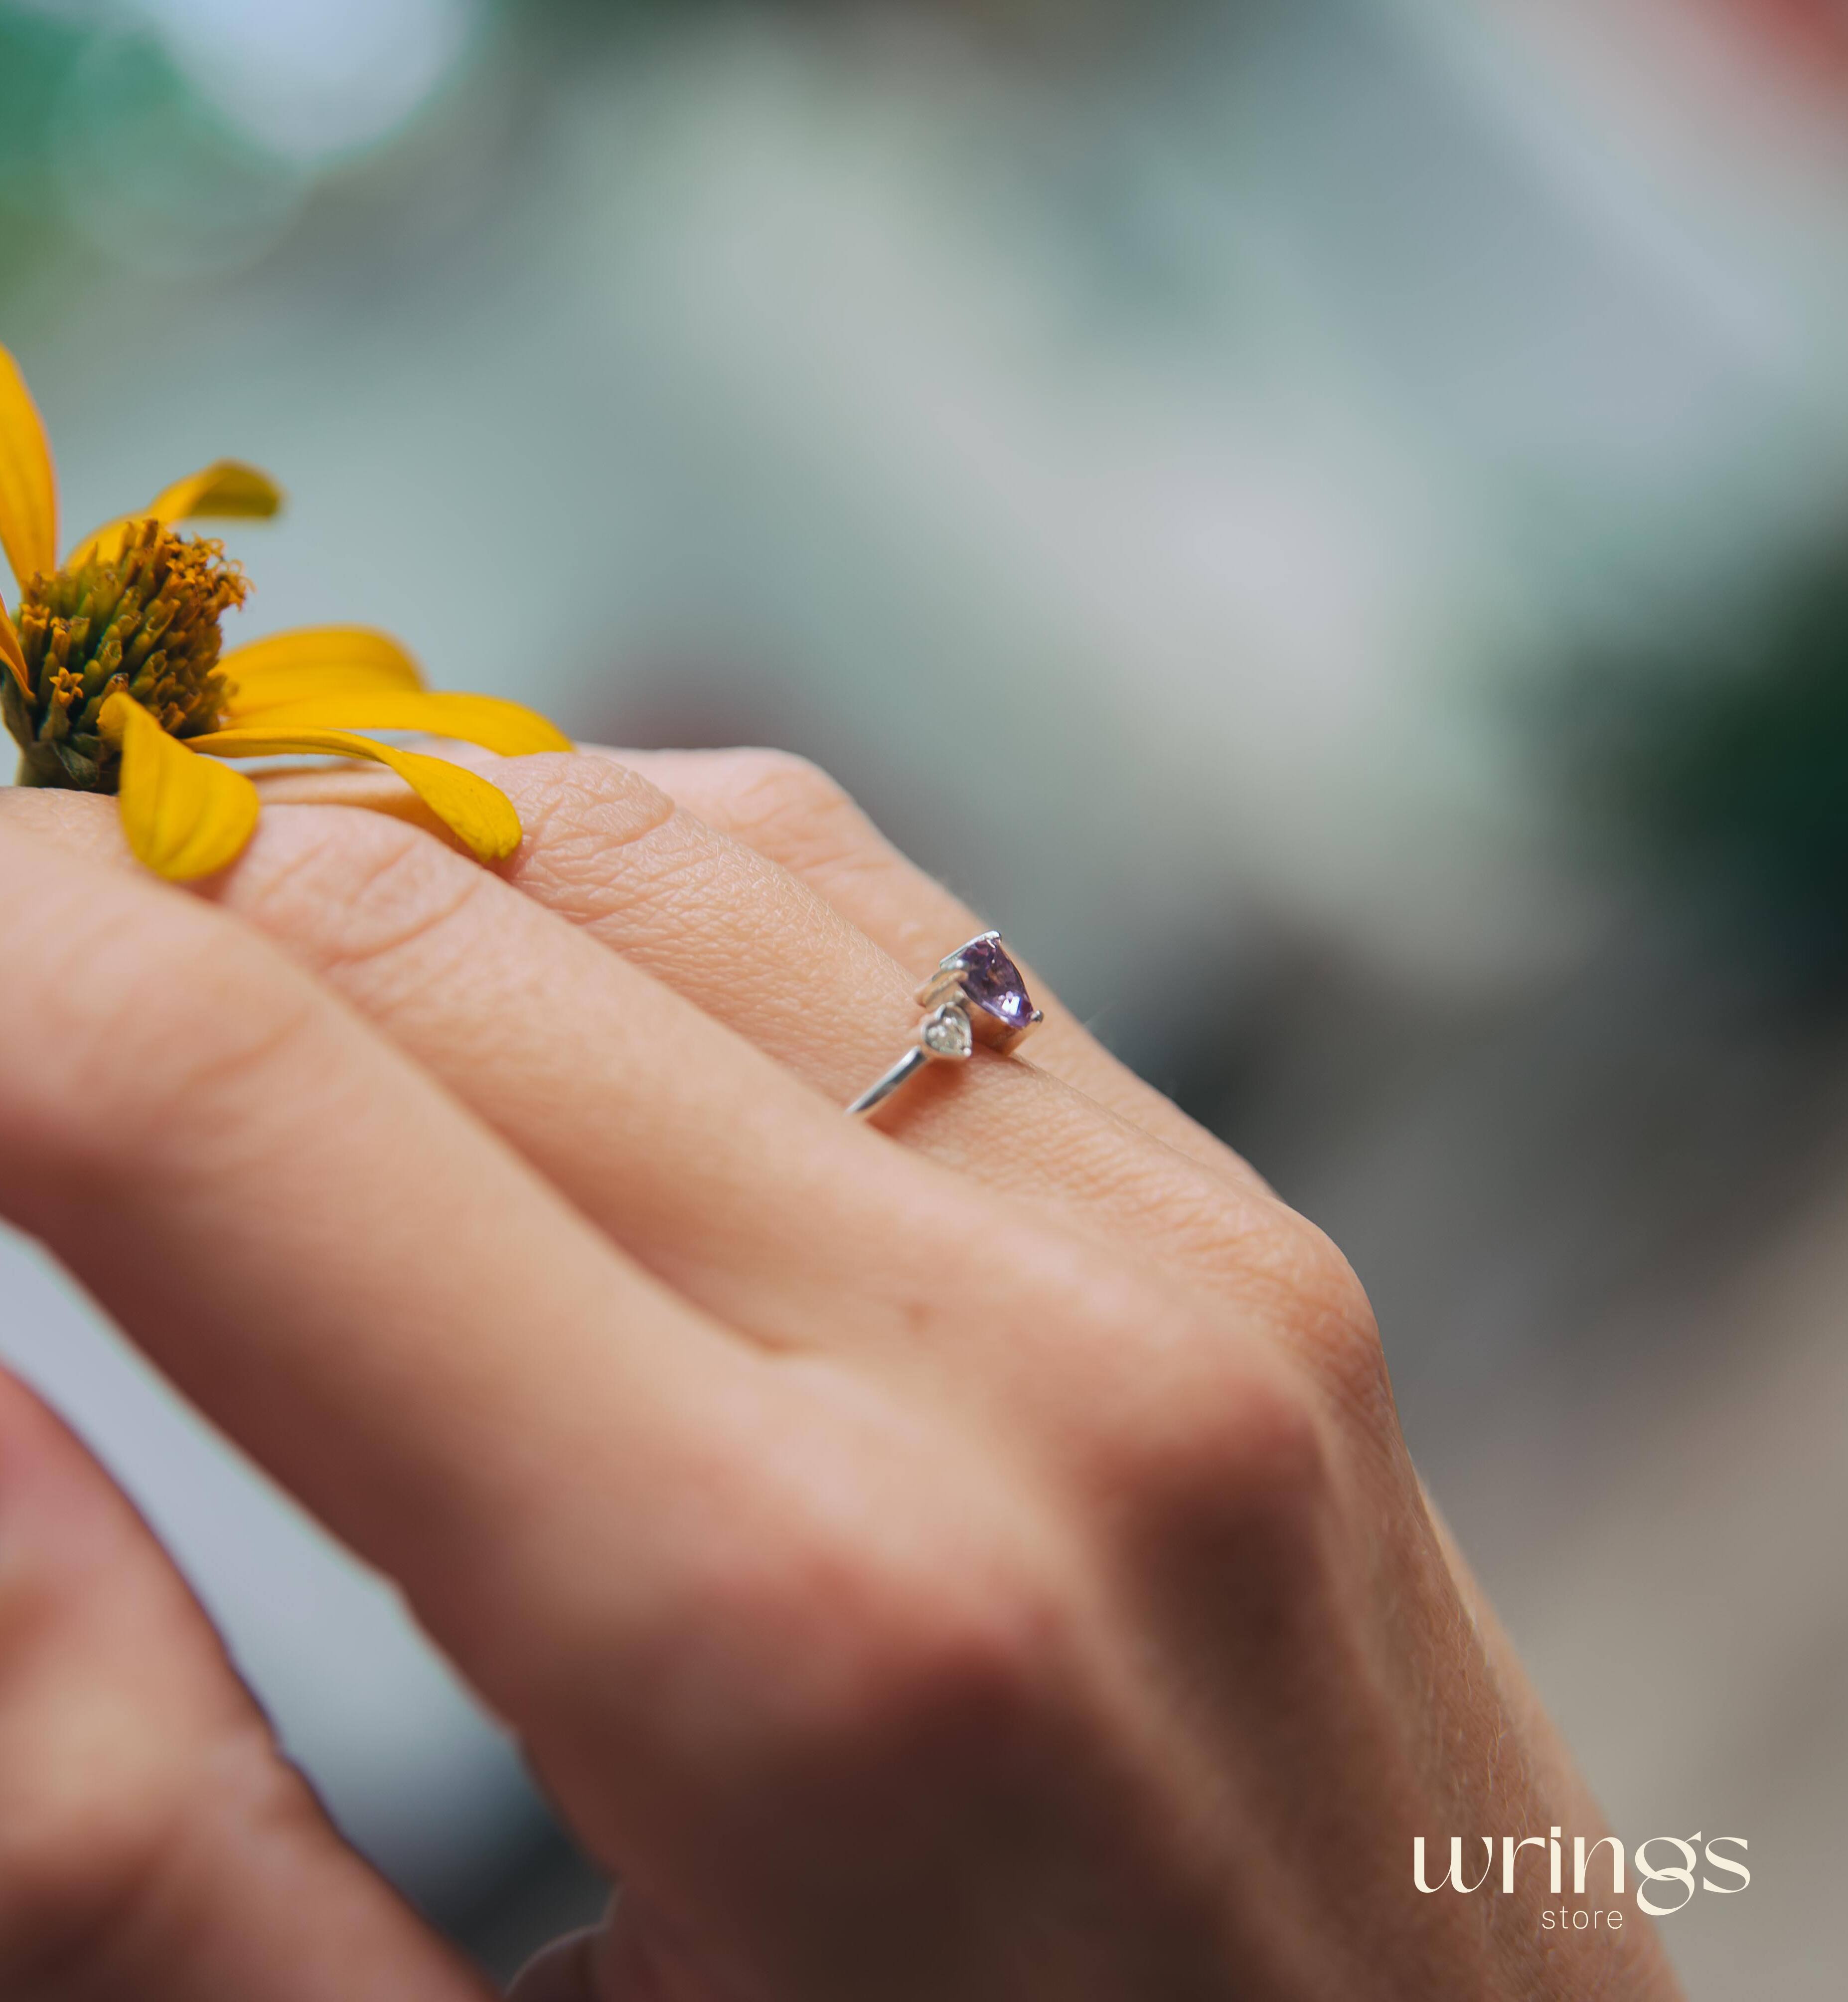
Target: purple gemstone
x,y
993,983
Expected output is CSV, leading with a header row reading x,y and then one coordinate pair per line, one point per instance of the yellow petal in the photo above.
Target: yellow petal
x,y
228,490
11,652
317,661
481,815
504,726
184,816
28,485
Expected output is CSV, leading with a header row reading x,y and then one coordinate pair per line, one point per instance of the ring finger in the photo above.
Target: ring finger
x,y
793,814
707,1162
757,949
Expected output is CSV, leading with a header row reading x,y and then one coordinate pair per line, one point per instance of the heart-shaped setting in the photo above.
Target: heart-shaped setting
x,y
992,983
946,1033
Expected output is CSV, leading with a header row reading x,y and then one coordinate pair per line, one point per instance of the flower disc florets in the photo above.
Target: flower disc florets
x,y
111,678
145,623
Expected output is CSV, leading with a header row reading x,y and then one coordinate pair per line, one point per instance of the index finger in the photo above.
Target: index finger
x,y
359,1281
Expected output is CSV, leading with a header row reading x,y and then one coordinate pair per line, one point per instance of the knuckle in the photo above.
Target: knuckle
x,y
779,793
946,1663
92,1814
349,889
72,1872
577,806
1287,1282
158,1011
603,844
111,1861
62,1897
878,1656
1333,1322
1228,1450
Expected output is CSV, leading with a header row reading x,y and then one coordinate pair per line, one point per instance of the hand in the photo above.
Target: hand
x,y
977,1559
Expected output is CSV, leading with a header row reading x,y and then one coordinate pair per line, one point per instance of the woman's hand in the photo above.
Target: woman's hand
x,y
975,1559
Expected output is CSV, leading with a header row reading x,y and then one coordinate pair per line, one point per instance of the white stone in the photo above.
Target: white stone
x,y
947,1033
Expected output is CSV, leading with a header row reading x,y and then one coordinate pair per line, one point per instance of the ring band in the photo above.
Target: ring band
x,y
976,994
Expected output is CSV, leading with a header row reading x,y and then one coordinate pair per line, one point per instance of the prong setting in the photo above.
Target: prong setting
x,y
984,979
976,995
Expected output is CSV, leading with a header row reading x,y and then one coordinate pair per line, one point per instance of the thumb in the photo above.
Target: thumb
x,y
153,1842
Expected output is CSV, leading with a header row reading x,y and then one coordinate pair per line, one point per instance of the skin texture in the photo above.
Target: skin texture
x,y
975,1558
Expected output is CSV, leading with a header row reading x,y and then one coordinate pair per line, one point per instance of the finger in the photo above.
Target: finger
x,y
681,1141
700,1581
691,1149
661,1554
153,1843
754,1199
665,1557
701,1156
792,813
346,1270
764,954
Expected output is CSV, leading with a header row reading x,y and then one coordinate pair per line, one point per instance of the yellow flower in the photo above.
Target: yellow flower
x,y
112,681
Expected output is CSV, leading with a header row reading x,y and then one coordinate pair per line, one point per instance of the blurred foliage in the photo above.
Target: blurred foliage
x,y
106,152
39,56
1727,763
105,149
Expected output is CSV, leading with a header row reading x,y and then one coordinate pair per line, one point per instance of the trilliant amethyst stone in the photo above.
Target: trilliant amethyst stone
x,y
993,984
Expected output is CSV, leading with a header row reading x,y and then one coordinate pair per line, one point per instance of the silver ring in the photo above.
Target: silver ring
x,y
976,994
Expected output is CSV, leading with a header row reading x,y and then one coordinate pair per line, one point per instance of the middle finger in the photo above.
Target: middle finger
x,y
757,949
690,1148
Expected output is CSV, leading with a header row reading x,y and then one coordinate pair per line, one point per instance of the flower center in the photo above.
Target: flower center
x,y
147,622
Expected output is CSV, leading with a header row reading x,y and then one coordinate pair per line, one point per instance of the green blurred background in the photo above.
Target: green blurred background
x,y
1328,518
